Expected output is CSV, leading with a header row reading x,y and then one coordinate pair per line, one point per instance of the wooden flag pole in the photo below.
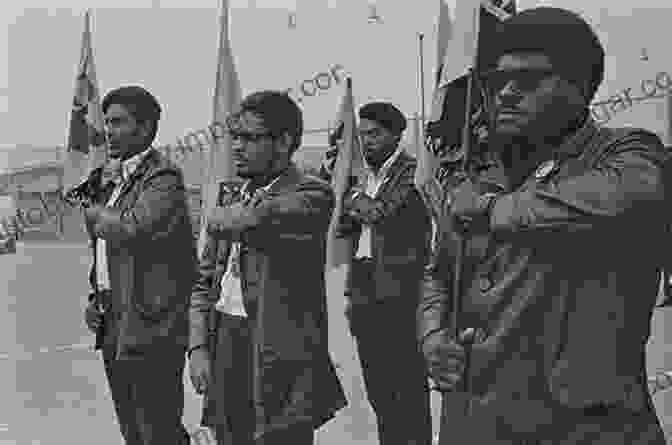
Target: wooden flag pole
x,y
669,119
457,289
421,71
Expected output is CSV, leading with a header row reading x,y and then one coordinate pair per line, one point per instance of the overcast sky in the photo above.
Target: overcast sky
x,y
171,50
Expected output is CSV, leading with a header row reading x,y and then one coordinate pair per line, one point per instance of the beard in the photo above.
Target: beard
x,y
377,157
513,150
522,152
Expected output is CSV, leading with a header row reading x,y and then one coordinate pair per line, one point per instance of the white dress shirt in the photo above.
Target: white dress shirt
x,y
231,293
373,184
128,167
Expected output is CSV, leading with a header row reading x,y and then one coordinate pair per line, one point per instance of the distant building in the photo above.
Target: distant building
x,y
32,176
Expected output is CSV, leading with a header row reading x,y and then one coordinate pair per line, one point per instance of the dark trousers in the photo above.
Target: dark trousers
x,y
148,395
230,406
596,425
394,371
230,403
605,426
296,435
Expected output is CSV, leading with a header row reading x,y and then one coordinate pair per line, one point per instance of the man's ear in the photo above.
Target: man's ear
x,y
285,143
145,128
580,92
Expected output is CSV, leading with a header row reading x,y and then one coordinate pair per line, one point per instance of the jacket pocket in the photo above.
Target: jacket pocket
x,y
158,292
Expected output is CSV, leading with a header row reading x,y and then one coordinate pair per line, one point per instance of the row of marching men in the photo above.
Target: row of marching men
x,y
531,315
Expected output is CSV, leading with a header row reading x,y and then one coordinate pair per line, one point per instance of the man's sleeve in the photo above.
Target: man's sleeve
x,y
157,208
384,206
204,295
627,178
302,214
435,288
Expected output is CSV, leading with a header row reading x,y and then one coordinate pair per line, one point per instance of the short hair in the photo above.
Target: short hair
x,y
385,114
278,112
139,102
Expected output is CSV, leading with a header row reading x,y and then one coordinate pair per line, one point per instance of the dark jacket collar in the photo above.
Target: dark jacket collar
x,y
402,160
575,143
289,177
147,162
399,164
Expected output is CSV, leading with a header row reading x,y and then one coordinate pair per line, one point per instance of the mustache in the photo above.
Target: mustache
x,y
512,110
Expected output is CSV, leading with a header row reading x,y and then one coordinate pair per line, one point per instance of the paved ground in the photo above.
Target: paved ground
x,y
53,397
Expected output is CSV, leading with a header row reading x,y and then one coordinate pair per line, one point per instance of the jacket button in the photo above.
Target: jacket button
x,y
485,284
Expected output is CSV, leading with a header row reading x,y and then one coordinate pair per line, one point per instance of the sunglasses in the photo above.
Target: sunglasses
x,y
246,136
524,80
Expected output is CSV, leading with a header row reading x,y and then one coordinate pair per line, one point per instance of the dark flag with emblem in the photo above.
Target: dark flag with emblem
x,y
460,100
465,43
472,46
86,147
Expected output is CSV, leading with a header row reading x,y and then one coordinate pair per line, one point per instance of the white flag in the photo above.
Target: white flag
x,y
461,50
219,165
349,163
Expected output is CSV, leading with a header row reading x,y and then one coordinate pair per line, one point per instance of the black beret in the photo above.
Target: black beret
x,y
385,114
567,39
139,102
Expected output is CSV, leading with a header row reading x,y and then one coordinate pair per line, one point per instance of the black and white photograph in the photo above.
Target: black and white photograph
x,y
333,222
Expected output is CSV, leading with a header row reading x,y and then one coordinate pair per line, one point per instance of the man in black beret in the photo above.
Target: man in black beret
x,y
562,258
392,225
144,266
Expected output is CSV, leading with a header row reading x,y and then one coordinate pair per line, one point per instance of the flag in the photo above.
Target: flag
x,y
373,17
86,148
349,158
349,163
443,34
219,165
471,46
427,161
